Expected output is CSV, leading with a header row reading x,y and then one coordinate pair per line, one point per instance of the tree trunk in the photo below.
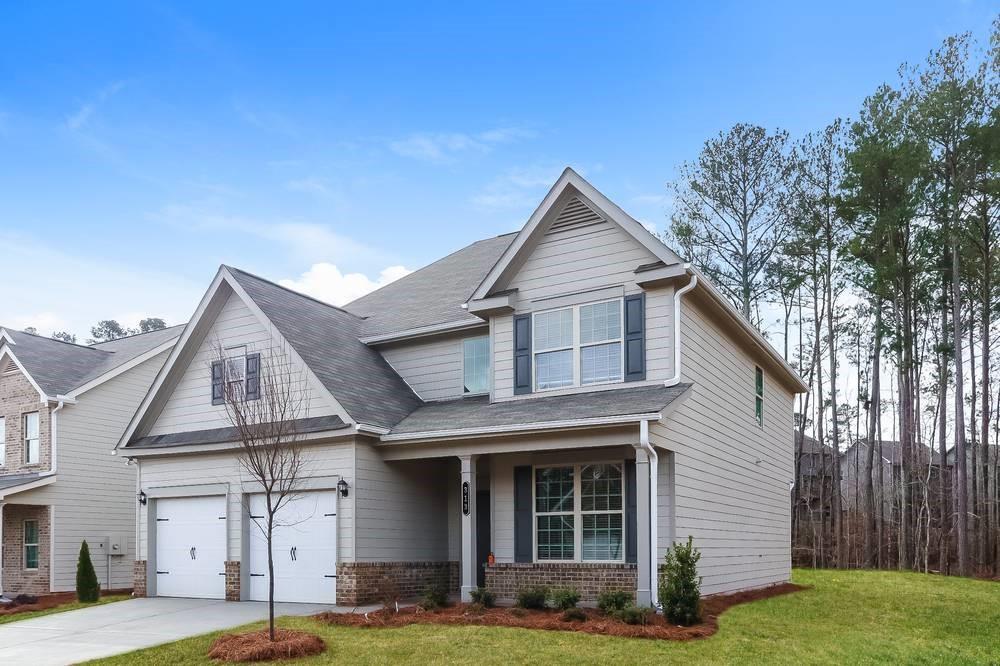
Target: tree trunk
x,y
874,406
960,454
838,531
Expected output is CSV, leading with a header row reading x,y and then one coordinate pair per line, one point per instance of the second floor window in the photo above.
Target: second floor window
x,y
578,345
476,365
31,441
3,441
759,395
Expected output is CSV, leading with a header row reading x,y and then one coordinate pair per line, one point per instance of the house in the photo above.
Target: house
x,y
63,408
556,405
888,457
814,478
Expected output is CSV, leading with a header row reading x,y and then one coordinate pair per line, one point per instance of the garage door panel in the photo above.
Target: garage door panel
x,y
191,547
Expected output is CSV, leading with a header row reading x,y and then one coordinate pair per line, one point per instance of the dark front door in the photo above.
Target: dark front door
x,y
482,534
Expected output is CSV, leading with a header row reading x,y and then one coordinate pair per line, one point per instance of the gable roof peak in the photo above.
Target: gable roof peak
x,y
233,269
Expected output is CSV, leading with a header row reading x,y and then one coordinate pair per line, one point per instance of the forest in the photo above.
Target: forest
x,y
868,252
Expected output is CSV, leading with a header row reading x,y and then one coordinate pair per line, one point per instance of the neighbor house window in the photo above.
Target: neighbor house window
x,y
31,544
579,513
578,345
31,449
759,395
476,365
3,441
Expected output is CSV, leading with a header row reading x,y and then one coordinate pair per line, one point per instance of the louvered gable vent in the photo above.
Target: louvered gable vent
x,y
8,366
575,215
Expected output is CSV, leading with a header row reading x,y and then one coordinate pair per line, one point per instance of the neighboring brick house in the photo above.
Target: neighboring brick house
x,y
62,408
538,407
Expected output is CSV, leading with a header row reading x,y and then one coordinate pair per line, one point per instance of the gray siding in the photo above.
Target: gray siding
x,y
432,367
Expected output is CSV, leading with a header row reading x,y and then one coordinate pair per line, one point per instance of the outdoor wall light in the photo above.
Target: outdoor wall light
x,y
342,487
142,498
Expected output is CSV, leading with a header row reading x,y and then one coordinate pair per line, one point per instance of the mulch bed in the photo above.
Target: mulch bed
x,y
257,646
596,622
47,601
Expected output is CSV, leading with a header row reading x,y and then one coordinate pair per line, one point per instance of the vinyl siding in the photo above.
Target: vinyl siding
x,y
189,406
321,460
94,496
736,509
432,367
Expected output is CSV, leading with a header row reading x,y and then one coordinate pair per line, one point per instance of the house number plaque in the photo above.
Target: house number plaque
x,y
465,498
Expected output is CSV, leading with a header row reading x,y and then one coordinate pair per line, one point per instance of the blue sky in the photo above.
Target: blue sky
x,y
141,145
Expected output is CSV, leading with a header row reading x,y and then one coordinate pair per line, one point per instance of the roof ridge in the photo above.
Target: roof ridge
x,y
133,335
292,291
51,339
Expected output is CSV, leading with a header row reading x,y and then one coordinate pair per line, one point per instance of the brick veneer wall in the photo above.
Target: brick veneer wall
x,y
363,582
17,579
139,578
505,579
233,580
17,398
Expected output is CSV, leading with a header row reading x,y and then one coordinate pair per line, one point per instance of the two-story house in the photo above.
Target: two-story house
x,y
63,408
556,405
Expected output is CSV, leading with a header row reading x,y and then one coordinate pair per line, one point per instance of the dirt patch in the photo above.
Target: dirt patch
x,y
596,622
257,646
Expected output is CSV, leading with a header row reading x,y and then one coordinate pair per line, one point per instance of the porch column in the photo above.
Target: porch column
x,y
468,508
643,597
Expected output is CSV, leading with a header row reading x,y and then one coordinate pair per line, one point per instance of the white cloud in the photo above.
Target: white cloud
x,y
445,147
521,187
83,114
44,322
327,283
309,185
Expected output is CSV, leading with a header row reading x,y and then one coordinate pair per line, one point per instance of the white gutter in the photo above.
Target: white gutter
x,y
523,427
654,498
676,378
54,430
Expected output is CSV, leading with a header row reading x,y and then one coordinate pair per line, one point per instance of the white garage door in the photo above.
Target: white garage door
x,y
304,546
191,547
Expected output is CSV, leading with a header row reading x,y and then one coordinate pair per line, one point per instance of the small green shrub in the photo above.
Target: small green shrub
x,y
532,597
434,597
680,584
634,615
564,598
612,601
483,597
574,615
475,608
88,590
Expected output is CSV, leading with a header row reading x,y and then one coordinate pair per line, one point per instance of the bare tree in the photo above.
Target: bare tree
x,y
264,401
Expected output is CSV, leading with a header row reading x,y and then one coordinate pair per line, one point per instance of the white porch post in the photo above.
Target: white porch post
x,y
643,597
468,508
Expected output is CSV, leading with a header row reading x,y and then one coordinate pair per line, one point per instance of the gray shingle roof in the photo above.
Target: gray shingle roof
x,y
469,413
230,433
15,480
59,367
432,295
327,339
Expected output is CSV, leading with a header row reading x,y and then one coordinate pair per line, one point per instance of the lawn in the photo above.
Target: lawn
x,y
68,606
847,617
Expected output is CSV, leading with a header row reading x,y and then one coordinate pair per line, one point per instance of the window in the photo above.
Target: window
x,y
759,396
476,365
31,452
31,544
236,365
3,441
579,345
579,513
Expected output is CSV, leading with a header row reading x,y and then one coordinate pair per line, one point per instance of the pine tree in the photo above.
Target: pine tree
x,y
88,589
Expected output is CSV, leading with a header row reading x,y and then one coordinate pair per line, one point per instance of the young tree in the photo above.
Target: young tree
x,y
88,589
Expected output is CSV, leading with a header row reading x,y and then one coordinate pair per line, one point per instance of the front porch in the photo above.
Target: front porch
x,y
25,537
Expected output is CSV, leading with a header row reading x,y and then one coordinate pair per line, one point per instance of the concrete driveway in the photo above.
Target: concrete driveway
x,y
102,631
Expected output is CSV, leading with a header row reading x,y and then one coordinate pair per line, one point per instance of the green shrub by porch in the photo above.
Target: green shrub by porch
x,y
88,590
680,584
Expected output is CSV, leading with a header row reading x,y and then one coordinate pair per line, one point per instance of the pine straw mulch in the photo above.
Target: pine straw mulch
x,y
47,601
257,646
596,622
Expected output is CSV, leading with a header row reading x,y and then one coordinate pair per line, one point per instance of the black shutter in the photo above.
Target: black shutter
x,y
524,547
522,354
253,376
631,526
218,396
635,338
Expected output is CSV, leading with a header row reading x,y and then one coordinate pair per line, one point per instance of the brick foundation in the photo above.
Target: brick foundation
x,y
363,582
139,578
589,579
233,580
17,579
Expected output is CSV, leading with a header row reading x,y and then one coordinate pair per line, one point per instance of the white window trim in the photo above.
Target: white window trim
x,y
577,513
26,441
38,552
489,364
3,441
576,346
234,354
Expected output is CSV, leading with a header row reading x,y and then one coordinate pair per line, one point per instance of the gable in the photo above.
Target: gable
x,y
188,407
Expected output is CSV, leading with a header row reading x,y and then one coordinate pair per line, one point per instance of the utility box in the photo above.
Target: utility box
x,y
99,548
118,544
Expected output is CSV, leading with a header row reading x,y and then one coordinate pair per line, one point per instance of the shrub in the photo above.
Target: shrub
x,y
483,597
612,601
680,584
88,590
564,598
434,597
387,592
518,612
475,608
574,615
532,597
634,615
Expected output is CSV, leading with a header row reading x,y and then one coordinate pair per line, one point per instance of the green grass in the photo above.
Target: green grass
x,y
848,617
71,605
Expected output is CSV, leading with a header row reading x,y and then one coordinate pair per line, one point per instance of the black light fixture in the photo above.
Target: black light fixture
x,y
342,487
142,497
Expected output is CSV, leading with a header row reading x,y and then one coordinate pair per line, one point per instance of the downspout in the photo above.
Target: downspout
x,y
654,501
676,378
54,431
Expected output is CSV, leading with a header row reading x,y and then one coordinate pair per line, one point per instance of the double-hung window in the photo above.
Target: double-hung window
x,y
3,441
236,365
31,544
578,345
579,513
476,365
759,396
31,448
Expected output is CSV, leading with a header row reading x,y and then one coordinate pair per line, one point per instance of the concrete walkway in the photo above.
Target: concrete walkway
x,y
123,626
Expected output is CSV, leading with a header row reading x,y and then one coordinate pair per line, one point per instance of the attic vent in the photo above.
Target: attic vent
x,y
9,366
575,215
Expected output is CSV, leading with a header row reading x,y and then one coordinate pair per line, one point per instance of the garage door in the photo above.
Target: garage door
x,y
191,547
305,549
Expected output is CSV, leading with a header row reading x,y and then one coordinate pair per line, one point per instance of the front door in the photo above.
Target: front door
x,y
482,535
